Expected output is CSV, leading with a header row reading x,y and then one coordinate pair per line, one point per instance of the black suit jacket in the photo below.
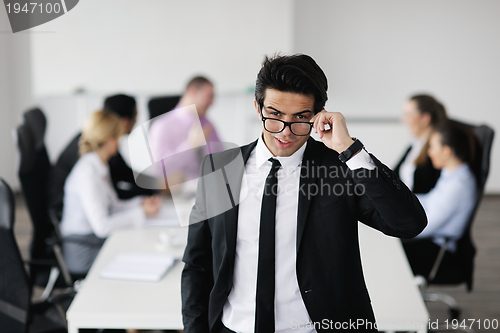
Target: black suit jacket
x,y
329,268
425,176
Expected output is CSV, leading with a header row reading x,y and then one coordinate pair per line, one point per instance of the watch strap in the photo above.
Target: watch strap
x,y
347,154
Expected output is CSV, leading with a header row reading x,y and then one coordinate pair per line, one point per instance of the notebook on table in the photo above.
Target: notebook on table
x,y
138,267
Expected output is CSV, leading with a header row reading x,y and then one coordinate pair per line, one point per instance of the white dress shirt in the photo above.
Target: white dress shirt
x,y
239,310
91,205
448,205
407,168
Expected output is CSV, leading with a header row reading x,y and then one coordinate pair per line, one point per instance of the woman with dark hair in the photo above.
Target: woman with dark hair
x,y
422,113
449,204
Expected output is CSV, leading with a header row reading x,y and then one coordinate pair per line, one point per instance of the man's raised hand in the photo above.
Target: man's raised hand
x,y
332,130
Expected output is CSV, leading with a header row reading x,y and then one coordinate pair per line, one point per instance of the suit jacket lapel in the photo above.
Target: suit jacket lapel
x,y
312,158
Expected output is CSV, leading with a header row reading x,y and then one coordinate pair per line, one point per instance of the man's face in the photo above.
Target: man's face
x,y
289,107
204,97
438,153
131,122
416,121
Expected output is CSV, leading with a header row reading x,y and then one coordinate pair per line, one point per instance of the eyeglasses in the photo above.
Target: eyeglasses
x,y
298,128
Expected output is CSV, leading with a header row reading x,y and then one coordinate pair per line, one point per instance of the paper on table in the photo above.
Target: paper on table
x,y
138,266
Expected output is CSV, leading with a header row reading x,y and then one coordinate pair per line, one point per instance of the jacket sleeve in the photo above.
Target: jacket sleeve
x,y
197,276
386,204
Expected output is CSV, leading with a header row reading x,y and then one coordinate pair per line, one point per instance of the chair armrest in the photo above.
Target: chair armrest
x,y
62,296
54,218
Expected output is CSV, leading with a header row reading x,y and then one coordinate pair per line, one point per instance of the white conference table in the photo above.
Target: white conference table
x,y
107,303
396,300
104,303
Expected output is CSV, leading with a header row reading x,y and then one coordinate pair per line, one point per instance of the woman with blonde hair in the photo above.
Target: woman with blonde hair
x,y
92,209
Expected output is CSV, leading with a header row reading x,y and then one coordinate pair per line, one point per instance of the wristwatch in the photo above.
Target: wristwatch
x,y
349,152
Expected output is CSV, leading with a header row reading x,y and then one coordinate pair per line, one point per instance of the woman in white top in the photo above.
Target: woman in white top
x,y
450,203
92,209
421,114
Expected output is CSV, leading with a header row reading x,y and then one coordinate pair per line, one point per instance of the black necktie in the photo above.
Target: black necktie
x,y
264,308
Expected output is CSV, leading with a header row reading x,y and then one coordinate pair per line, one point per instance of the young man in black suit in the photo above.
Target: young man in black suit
x,y
284,256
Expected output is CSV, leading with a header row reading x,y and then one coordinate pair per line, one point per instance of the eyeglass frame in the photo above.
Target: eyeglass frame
x,y
286,124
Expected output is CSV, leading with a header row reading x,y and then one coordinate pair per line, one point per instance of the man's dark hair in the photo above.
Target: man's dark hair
x,y
122,105
197,82
297,73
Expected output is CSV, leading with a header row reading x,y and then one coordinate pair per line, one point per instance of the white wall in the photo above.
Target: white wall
x,y
6,144
138,47
152,47
156,45
378,53
375,55
15,93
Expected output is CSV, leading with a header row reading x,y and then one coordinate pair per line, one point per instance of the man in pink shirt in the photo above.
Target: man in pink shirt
x,y
182,137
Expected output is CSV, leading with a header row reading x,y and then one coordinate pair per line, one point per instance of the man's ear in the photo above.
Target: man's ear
x,y
191,91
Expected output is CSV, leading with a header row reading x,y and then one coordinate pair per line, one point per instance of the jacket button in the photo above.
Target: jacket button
x,y
395,182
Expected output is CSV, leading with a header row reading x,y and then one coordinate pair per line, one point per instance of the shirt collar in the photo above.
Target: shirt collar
x,y
97,163
445,172
289,163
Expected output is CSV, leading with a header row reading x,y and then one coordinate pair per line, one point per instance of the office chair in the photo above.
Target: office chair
x,y
160,105
58,174
17,312
457,268
45,255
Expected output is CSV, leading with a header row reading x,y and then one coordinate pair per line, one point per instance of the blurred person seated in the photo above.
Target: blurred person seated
x,y
421,114
449,204
177,134
92,209
121,174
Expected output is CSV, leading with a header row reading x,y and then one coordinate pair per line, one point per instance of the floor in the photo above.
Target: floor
x,y
480,307
483,303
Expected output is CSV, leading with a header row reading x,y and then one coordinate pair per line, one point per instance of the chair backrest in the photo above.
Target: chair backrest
x,y
15,290
466,249
160,105
34,171
484,140
58,174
